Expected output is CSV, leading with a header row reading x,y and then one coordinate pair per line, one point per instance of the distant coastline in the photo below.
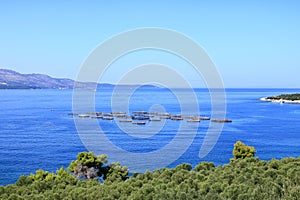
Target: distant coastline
x,y
10,79
283,98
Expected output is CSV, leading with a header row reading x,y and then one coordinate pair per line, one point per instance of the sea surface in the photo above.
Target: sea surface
x,y
37,132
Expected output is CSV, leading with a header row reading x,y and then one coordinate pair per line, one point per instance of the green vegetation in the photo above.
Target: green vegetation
x,y
245,177
89,166
242,151
289,97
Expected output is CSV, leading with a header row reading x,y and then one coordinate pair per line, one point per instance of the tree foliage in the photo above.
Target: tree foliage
x,y
242,151
245,178
88,165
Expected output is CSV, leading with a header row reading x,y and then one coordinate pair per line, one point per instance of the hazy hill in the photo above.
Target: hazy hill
x,y
10,79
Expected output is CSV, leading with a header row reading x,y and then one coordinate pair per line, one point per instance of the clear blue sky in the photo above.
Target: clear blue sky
x,y
253,43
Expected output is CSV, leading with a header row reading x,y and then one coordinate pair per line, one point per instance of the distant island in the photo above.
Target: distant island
x,y
284,98
10,79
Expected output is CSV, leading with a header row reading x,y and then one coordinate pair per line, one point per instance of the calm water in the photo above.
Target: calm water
x,y
36,132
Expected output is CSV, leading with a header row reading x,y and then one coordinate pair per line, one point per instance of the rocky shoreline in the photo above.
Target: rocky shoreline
x,y
280,100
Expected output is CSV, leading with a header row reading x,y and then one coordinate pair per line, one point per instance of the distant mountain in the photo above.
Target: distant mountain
x,y
10,79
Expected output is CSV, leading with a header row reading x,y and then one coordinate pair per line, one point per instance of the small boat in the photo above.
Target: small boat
x,y
222,120
139,123
118,114
140,117
99,113
163,114
83,116
96,117
176,118
107,118
165,117
194,120
281,101
107,114
204,118
140,113
126,120
188,117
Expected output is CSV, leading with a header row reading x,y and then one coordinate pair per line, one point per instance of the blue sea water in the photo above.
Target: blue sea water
x,y
36,131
